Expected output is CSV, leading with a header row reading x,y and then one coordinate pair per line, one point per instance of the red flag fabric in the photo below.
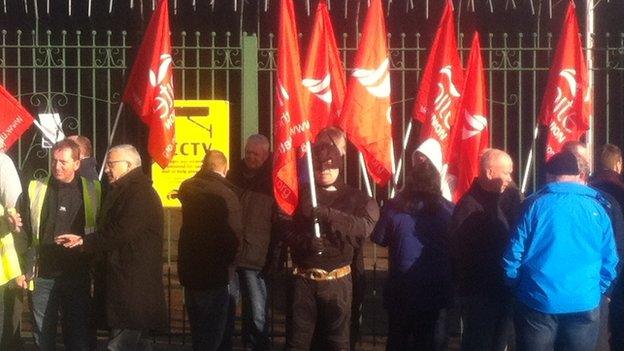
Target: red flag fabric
x,y
366,116
149,90
438,95
567,104
323,77
291,127
14,119
470,134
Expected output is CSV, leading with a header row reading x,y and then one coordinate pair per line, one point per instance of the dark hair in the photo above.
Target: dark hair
x,y
422,189
68,144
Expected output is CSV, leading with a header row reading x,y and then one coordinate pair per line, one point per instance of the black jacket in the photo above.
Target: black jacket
x,y
258,206
350,217
130,233
480,232
211,225
611,185
52,260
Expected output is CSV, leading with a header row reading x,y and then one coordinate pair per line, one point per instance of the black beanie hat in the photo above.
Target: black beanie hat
x,y
563,163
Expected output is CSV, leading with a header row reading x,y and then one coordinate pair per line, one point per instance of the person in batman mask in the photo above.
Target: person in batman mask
x,y
322,283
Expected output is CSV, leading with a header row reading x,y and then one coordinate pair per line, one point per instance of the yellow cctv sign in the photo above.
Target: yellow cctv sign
x,y
200,125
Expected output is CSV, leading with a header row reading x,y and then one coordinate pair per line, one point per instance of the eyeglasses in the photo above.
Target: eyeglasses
x,y
110,164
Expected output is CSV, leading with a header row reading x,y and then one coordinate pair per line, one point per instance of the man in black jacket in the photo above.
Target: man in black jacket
x,y
130,234
480,232
253,176
608,179
209,239
322,289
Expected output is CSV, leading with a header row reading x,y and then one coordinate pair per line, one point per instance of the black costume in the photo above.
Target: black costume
x,y
322,287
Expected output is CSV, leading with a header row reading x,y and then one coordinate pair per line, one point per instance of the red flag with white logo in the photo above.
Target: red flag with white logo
x,y
470,133
291,127
366,115
149,90
439,93
14,119
324,76
567,103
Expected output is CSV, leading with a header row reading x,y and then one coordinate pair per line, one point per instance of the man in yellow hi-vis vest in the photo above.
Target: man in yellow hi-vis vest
x,y
63,203
11,279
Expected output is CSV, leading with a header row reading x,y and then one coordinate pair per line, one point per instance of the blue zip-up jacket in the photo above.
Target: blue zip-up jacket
x,y
562,254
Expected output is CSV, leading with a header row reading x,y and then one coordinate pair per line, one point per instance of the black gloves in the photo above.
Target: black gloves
x,y
316,246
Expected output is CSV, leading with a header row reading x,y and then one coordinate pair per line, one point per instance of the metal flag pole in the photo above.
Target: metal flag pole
x,y
317,226
589,56
110,139
527,168
369,189
406,138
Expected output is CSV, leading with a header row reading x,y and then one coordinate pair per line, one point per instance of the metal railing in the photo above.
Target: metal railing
x,y
82,76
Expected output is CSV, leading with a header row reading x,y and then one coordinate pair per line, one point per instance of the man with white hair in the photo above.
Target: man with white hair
x,y
130,232
253,176
480,230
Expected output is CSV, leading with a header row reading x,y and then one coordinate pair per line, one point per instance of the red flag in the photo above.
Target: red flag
x,y
366,116
291,127
14,119
567,104
324,77
149,90
470,133
438,94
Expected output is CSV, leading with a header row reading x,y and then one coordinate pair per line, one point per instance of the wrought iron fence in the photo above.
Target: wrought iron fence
x,y
82,76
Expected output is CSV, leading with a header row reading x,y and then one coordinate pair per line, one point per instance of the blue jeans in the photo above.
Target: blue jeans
x,y
210,316
254,300
487,323
537,331
69,295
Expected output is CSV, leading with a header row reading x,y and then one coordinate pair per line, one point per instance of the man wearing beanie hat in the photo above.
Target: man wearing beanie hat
x,y
480,231
321,286
560,261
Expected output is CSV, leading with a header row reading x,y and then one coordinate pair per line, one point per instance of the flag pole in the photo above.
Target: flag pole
x,y
369,189
589,56
406,138
317,226
110,139
527,168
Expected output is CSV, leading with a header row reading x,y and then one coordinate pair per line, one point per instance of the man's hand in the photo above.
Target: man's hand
x,y
68,240
15,220
21,282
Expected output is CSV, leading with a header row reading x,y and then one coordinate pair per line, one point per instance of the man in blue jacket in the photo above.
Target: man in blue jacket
x,y
560,261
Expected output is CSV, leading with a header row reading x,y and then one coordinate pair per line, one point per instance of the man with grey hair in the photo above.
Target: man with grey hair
x,y
253,176
480,231
130,232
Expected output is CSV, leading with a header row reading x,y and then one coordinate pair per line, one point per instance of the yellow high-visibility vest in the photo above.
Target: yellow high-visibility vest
x,y
9,263
91,194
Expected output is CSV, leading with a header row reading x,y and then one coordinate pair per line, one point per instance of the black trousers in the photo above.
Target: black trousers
x,y
409,329
324,306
